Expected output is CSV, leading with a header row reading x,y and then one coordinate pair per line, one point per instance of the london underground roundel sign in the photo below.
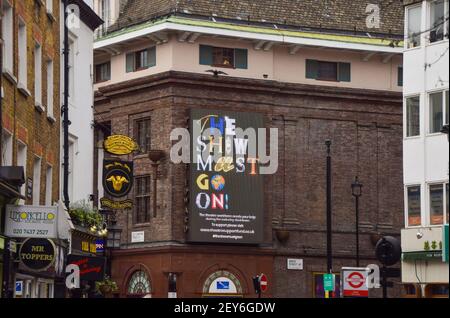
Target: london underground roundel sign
x,y
355,282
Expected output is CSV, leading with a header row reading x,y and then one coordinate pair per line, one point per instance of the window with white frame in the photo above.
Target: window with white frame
x,y
412,116
37,181
38,75
438,111
50,88
22,162
414,18
8,37
7,149
22,39
48,185
413,209
438,203
438,25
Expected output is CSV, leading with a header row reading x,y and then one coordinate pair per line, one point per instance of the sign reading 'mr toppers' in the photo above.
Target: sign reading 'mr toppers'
x,y
31,221
226,188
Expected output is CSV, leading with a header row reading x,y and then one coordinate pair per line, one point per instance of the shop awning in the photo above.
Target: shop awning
x,y
422,255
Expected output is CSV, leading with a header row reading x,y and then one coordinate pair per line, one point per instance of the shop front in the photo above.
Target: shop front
x,y
88,254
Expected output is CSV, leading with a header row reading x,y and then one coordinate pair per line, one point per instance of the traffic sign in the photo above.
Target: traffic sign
x,y
19,288
263,282
328,282
355,282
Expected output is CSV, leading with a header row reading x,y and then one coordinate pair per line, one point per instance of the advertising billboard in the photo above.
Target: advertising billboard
x,y
225,186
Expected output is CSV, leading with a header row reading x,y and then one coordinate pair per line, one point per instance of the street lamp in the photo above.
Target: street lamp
x,y
357,192
114,236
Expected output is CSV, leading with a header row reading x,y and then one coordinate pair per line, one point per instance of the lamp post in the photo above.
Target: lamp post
x,y
357,192
329,215
113,241
155,157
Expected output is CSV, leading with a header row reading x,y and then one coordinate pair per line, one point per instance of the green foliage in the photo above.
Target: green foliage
x,y
106,286
84,215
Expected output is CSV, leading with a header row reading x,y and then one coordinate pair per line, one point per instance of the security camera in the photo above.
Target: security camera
x,y
419,235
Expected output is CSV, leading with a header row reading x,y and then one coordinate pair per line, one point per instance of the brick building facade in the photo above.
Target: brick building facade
x,y
29,109
365,127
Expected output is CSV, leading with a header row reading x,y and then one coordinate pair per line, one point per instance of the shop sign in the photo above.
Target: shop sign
x,y
116,205
120,145
37,254
226,188
31,221
100,246
88,247
91,268
117,177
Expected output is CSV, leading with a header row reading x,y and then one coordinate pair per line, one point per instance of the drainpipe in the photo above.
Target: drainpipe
x,y
65,109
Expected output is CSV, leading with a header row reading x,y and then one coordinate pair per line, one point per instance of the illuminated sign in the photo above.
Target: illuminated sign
x,y
120,145
226,188
31,221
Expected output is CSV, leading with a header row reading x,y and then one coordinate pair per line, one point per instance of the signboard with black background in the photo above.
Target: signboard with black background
x,y
226,197
91,268
117,177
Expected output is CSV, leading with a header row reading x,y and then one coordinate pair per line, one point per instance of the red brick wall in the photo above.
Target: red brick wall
x,y
364,126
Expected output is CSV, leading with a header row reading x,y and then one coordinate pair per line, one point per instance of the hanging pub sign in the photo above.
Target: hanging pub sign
x,y
117,177
116,205
120,145
226,186
37,254
117,183
91,268
31,221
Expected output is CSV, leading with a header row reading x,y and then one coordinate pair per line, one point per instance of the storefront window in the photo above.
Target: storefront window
x,y
436,204
413,208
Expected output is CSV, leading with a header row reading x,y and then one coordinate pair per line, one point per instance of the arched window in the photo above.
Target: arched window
x,y
139,284
222,284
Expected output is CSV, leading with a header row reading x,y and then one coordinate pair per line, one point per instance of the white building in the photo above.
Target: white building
x,y
426,148
81,95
